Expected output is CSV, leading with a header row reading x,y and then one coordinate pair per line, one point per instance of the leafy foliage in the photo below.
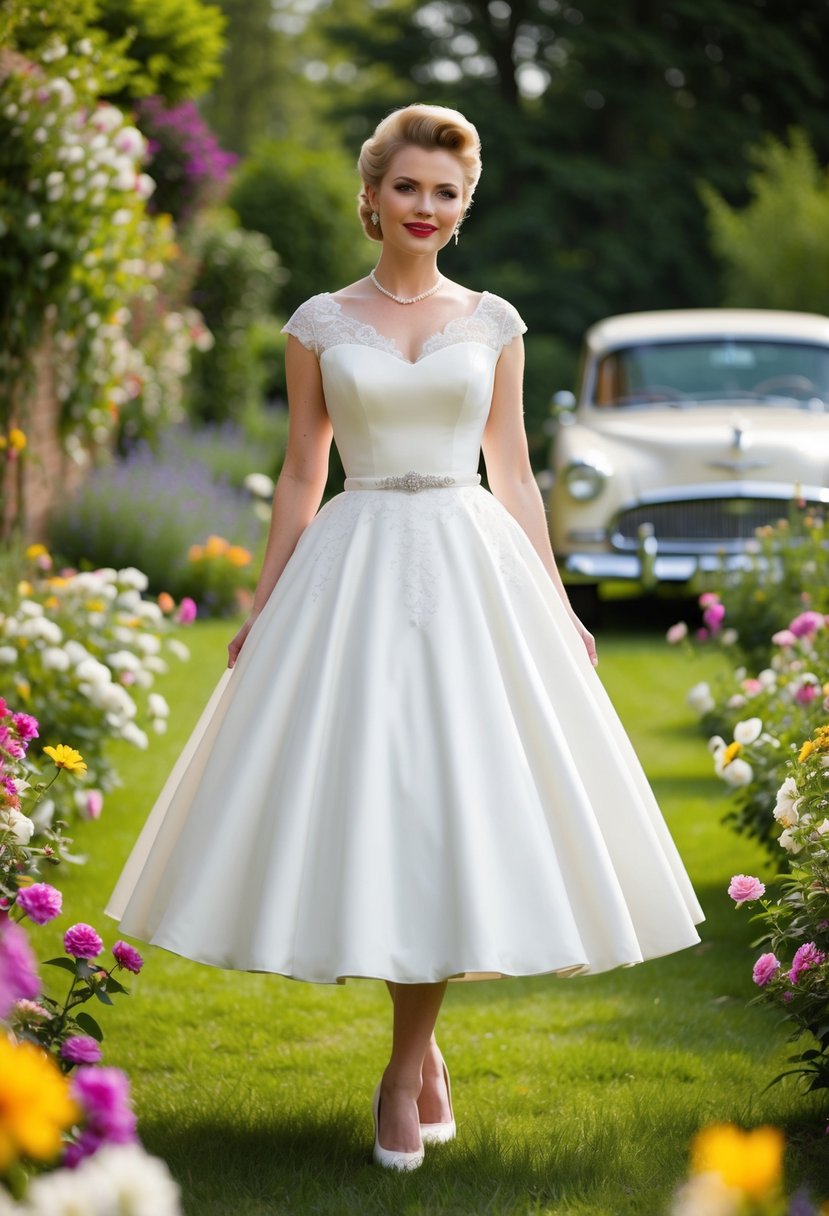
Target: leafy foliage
x,y
775,250
189,168
304,200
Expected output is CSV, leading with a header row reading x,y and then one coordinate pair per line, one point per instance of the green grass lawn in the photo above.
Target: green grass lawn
x,y
572,1096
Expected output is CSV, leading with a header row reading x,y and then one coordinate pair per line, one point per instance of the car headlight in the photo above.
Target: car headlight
x,y
584,482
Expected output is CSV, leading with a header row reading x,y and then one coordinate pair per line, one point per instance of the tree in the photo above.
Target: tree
x,y
775,250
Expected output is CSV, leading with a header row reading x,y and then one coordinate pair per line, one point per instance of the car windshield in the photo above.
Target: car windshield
x,y
714,370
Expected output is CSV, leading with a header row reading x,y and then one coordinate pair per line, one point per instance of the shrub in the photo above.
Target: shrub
x,y
148,511
189,168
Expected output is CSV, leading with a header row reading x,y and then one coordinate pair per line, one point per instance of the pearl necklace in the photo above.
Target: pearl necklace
x,y
404,299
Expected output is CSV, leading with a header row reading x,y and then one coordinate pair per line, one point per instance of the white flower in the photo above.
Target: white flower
x,y
155,664
767,677
148,610
33,219
822,828
179,649
728,637
133,578
716,743
123,660
736,702
261,486
91,671
707,1195
748,731
113,699
30,608
144,186
20,826
786,807
788,842
8,654
737,773
158,706
148,643
121,216
41,627
127,1181
43,814
134,734
75,652
159,725
699,698
130,142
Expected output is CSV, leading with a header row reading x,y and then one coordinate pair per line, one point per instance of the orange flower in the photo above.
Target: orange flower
x,y
195,553
238,556
216,546
166,602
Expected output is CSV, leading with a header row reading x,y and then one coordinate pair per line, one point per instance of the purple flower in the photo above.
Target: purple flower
x,y
41,902
765,969
82,941
26,726
187,611
18,969
93,804
807,623
744,888
783,637
127,956
806,956
104,1095
80,1049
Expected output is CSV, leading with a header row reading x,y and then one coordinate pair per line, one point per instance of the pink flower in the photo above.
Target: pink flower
x,y
81,941
80,1049
806,693
676,633
18,969
127,956
765,969
187,611
25,725
702,635
744,888
806,624
94,804
784,637
104,1095
806,956
752,687
714,616
708,598
4,708
41,902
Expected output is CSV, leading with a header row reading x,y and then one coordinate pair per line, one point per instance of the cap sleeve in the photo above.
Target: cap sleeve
x,y
303,325
512,323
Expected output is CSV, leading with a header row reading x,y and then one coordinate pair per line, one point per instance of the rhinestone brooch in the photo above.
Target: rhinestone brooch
x,y
412,482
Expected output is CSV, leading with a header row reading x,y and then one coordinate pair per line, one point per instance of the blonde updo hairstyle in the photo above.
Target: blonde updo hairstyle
x,y
419,126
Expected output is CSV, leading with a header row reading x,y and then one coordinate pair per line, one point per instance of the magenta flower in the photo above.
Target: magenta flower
x,y
714,615
26,726
783,637
41,902
806,693
708,598
744,888
127,956
806,624
80,1049
81,941
4,708
765,969
187,611
104,1095
94,804
18,969
807,956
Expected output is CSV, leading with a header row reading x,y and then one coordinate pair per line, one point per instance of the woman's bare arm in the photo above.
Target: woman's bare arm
x,y
510,473
302,480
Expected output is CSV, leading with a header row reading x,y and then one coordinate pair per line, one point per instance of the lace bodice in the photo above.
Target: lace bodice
x,y
427,415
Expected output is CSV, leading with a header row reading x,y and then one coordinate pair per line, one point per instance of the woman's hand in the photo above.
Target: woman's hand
x,y
588,639
236,644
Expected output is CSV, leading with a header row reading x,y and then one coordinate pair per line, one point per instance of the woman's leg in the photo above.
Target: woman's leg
x,y
433,1102
416,1008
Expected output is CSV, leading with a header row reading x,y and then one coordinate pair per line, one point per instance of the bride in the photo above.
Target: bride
x,y
411,771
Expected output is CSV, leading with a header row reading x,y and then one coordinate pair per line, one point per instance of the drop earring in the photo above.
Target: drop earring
x,y
375,218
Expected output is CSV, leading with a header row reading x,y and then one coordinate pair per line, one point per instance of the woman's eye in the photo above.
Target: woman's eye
x,y
449,194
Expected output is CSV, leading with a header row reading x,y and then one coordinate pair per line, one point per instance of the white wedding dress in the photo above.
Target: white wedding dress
x,y
413,772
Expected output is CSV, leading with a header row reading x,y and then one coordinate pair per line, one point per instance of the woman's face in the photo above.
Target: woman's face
x,y
420,199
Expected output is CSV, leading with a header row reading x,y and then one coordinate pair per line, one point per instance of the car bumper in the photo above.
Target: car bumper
x,y
646,568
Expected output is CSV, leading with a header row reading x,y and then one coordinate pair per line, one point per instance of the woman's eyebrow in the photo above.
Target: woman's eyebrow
x,y
401,177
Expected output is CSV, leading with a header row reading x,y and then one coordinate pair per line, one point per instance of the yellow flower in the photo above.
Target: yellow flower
x,y
238,556
34,551
216,546
95,605
52,603
24,689
17,439
35,1105
24,588
731,752
66,757
750,1161
806,751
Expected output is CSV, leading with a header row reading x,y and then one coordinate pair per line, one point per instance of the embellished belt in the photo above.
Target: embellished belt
x,y
411,482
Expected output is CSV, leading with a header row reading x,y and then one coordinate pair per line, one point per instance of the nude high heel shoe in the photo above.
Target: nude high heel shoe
x,y
391,1159
440,1133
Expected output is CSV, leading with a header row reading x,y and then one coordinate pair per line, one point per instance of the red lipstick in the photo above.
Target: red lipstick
x,y
420,229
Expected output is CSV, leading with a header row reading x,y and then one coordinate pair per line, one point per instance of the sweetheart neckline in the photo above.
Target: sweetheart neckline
x,y
394,349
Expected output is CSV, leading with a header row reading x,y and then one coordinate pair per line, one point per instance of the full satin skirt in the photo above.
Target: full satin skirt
x,y
412,773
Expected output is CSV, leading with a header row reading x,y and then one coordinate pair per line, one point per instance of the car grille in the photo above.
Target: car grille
x,y
698,524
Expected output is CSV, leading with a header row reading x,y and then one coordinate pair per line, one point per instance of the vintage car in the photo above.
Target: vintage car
x,y
689,430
